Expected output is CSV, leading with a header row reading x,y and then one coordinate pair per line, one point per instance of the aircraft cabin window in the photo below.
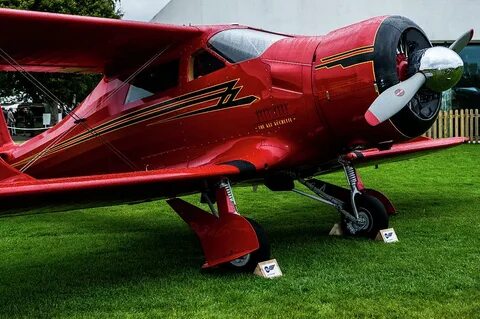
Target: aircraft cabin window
x,y
205,63
153,80
237,45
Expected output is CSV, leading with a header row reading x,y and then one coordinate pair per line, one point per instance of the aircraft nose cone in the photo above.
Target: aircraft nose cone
x,y
442,67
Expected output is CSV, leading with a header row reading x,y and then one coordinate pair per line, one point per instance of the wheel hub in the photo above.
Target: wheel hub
x,y
242,261
362,223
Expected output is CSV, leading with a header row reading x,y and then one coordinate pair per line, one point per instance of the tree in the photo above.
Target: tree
x,y
64,86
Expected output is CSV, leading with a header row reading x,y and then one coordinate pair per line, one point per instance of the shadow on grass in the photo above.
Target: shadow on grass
x,y
115,252
78,253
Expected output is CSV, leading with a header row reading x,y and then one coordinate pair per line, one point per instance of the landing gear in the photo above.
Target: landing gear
x,y
226,237
363,212
372,217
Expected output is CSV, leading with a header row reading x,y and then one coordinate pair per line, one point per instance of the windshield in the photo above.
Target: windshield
x,y
237,45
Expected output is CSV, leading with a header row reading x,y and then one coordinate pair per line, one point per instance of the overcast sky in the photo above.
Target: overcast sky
x,y
141,10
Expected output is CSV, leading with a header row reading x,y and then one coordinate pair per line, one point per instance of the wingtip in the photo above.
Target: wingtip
x,y
371,119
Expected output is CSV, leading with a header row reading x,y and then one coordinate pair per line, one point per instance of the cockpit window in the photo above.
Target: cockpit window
x,y
205,63
237,45
153,80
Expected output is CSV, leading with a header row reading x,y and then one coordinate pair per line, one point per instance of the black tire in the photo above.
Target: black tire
x,y
248,262
373,215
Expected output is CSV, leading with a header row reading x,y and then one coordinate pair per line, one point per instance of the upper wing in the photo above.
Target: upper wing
x,y
47,42
402,151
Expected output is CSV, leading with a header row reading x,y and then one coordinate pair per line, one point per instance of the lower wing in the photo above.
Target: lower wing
x,y
241,160
402,151
20,193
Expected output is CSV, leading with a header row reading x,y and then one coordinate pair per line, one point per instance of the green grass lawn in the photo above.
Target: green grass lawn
x,y
143,261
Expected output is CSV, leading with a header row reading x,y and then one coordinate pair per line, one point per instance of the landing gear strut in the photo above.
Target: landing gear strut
x,y
226,237
370,215
364,212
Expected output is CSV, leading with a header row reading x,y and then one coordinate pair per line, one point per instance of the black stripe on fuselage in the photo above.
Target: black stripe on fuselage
x,y
348,62
226,93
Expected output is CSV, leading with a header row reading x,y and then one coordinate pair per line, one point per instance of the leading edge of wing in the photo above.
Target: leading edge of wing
x,y
402,151
50,42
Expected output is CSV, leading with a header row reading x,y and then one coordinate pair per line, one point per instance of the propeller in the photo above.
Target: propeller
x,y
462,42
439,68
394,99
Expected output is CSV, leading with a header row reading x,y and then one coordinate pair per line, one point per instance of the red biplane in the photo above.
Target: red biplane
x,y
195,109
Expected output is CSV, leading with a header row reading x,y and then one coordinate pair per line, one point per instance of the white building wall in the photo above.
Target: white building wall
x,y
442,20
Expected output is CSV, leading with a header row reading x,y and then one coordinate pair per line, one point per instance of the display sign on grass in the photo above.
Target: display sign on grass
x,y
268,269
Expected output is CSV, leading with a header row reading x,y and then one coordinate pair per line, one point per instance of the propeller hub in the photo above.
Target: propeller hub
x,y
442,67
438,68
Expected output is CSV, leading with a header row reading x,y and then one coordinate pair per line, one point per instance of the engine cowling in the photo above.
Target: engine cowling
x,y
398,45
355,64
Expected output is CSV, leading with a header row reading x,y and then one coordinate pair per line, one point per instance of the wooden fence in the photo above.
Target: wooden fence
x,y
458,123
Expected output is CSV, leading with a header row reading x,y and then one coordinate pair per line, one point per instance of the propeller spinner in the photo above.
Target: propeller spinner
x,y
438,68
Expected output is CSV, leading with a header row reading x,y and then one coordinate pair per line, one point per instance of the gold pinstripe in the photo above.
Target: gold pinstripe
x,y
128,117
342,57
116,123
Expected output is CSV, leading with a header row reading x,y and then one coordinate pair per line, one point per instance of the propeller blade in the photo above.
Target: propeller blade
x,y
394,99
462,42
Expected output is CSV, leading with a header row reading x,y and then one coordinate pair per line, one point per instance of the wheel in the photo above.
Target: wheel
x,y
372,215
248,262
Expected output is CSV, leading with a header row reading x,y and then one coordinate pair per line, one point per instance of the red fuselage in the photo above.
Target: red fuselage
x,y
308,93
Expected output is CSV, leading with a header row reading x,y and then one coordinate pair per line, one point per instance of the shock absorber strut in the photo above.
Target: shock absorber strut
x,y
351,174
225,184
354,182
